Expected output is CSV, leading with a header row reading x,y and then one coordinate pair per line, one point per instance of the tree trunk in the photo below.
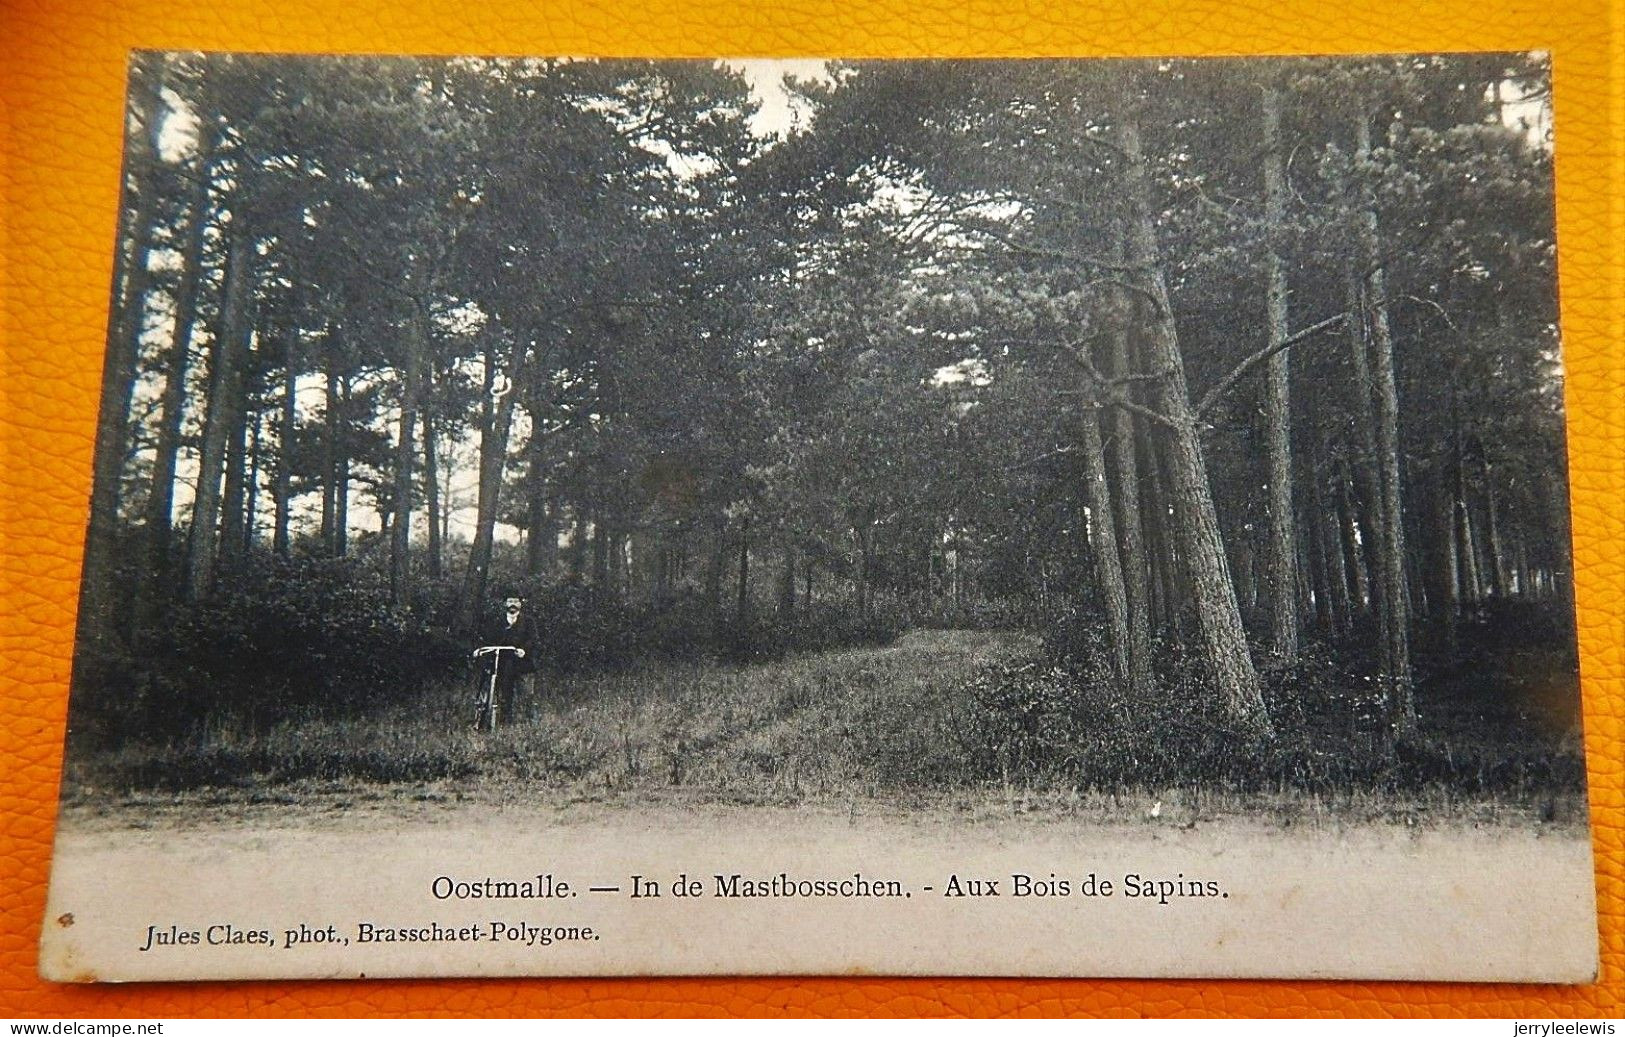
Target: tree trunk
x,y
616,575
1318,570
1164,611
1467,543
1131,546
448,470
400,541
1223,639
600,551
1396,618
542,534
578,543
172,402
1367,488
861,534
661,563
1305,566
1492,520
493,459
1343,607
714,565
98,617
542,537
230,342
1355,548
330,443
787,579
233,516
1442,599
1280,542
742,607
1325,516
251,485
1243,560
280,539
341,478
431,493
1103,541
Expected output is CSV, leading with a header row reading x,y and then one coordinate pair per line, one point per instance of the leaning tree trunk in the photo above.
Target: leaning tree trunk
x,y
222,416
1396,618
1223,638
1280,541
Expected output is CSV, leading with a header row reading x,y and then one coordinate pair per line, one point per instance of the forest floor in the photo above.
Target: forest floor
x,y
876,732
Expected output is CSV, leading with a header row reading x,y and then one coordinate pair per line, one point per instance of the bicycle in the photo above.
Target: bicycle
x,y
486,709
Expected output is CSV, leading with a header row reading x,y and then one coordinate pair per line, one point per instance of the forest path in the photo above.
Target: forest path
x,y
819,723
837,722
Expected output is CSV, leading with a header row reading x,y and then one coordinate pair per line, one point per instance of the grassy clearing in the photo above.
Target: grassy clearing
x,y
839,723
972,724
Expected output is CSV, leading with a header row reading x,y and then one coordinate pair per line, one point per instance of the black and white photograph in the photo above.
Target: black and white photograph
x,y
573,516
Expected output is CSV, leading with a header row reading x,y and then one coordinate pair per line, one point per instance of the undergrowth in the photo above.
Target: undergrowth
x,y
935,713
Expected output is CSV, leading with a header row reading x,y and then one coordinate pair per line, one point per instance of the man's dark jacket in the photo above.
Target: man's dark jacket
x,y
520,634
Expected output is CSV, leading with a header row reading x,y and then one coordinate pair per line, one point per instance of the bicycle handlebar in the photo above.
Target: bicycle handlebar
x,y
495,649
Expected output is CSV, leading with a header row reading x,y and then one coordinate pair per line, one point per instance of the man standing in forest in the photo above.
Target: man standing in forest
x,y
511,629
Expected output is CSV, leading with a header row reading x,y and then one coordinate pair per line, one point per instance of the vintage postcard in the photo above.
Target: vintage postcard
x,y
1031,518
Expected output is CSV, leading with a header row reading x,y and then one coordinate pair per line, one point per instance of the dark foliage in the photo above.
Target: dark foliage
x,y
1498,720
279,639
319,637
584,631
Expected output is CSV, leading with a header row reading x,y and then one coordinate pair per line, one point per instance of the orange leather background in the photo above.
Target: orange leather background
x,y
61,89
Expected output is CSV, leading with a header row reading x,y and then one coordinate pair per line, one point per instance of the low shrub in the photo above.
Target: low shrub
x,y
1062,717
280,638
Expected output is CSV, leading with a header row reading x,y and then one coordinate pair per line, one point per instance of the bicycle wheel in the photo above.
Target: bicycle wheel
x,y
485,706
